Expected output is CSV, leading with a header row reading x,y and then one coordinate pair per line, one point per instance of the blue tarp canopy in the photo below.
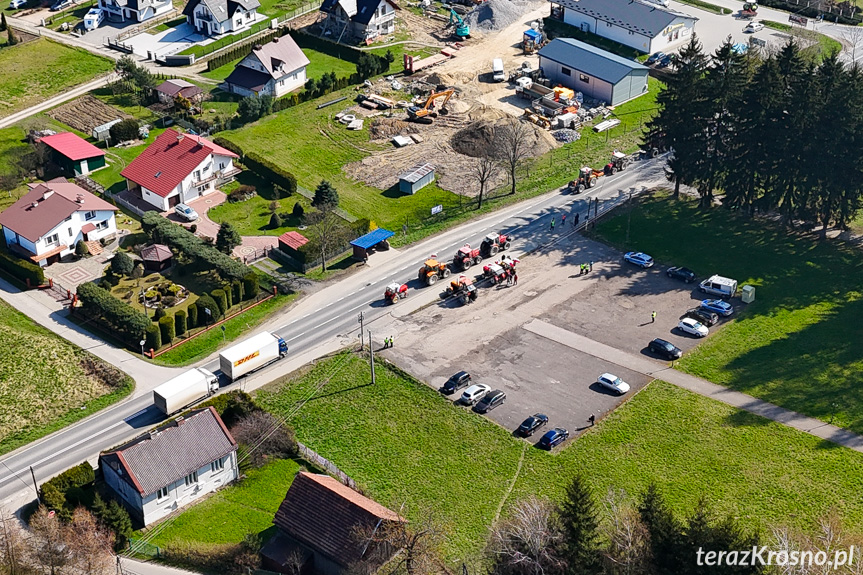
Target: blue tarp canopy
x,y
533,35
372,238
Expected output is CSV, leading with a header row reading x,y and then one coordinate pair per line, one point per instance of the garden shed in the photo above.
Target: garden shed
x,y
416,178
157,257
376,239
291,242
74,154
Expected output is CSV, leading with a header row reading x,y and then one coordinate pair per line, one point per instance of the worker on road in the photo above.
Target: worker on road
x,y
653,317
552,223
563,220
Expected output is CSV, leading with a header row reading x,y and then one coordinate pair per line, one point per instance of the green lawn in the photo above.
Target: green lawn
x,y
12,142
319,63
252,217
245,507
40,69
43,384
798,345
822,44
222,72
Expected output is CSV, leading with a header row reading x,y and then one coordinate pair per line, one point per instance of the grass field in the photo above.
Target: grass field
x,y
821,44
798,345
252,217
40,69
402,442
43,385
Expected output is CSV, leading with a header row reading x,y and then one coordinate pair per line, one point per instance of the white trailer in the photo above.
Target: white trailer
x,y
251,354
184,390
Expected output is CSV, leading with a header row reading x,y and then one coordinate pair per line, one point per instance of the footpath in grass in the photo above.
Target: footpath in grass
x,y
798,345
46,383
37,70
402,442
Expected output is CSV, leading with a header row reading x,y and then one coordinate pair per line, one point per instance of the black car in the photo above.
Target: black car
x,y
491,400
665,61
531,424
707,318
681,273
665,349
456,382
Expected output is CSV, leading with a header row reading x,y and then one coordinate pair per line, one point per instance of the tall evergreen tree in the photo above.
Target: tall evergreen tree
x,y
326,197
579,520
664,531
227,238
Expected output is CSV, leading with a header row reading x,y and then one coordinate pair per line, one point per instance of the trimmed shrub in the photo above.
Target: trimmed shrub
x,y
166,329
193,317
237,290
118,316
77,476
298,210
124,131
206,302
221,300
160,313
122,264
21,269
81,249
275,221
180,322
153,337
229,297
250,285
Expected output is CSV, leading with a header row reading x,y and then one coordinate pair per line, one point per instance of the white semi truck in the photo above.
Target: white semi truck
x,y
251,354
184,390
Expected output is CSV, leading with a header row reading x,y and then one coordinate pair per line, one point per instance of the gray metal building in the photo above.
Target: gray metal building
x,y
594,72
416,178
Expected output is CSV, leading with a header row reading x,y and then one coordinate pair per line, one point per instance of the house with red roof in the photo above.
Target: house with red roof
x,y
74,154
48,221
177,168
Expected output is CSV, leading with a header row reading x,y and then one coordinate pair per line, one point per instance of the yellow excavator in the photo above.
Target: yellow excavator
x,y
424,114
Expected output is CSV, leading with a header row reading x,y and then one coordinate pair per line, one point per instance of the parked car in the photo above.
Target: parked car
x,y
612,382
456,382
531,424
663,3
62,5
664,348
655,57
693,327
753,27
666,61
638,258
719,306
186,212
708,318
15,4
681,273
553,437
474,393
491,400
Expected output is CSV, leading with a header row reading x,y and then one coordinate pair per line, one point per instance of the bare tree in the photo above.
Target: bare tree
x,y
50,551
89,544
327,232
628,550
512,145
529,542
828,538
416,543
484,169
14,547
852,38
265,436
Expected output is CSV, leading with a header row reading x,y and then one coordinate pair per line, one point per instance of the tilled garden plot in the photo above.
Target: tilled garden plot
x,y
86,113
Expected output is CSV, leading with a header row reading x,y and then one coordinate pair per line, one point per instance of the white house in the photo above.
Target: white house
x,y
134,10
177,168
646,27
364,19
212,17
172,465
275,69
49,221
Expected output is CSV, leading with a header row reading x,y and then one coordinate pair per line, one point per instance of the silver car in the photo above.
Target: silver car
x,y
474,393
612,382
186,212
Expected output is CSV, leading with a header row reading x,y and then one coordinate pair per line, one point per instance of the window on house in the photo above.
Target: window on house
x,y
55,239
217,465
103,225
89,215
191,478
565,71
197,174
584,78
69,219
162,493
248,15
221,165
239,21
70,232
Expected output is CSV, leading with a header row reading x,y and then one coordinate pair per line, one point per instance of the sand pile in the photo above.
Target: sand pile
x,y
478,138
386,128
498,14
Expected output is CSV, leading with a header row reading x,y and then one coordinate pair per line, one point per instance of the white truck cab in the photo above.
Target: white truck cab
x,y
497,70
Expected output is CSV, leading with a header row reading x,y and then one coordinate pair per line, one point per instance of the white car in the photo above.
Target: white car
x,y
753,27
693,327
612,382
186,212
474,393
15,4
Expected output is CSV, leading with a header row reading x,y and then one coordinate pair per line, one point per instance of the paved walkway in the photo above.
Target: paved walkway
x,y
695,384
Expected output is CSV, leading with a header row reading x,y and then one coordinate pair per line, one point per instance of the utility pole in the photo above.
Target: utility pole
x,y
362,340
372,356
35,486
628,218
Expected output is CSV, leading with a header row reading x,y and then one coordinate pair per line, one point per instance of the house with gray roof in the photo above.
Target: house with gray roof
x,y
172,465
275,69
214,17
597,74
646,27
134,10
363,19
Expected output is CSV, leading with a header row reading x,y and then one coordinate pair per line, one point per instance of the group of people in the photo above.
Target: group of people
x,y
585,268
508,265
575,219
388,342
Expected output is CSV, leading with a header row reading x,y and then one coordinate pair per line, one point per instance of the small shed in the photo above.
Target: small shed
x,y
157,257
74,154
290,242
103,132
376,239
416,178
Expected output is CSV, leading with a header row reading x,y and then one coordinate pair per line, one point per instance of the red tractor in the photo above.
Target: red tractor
x,y
394,292
462,288
465,257
495,272
494,243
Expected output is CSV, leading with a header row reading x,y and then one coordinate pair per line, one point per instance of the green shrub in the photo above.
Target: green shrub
x,y
206,302
21,269
193,317
231,406
250,285
153,337
180,322
166,329
275,221
122,264
237,290
116,518
124,131
77,476
229,297
221,300
298,210
118,316
81,249
160,313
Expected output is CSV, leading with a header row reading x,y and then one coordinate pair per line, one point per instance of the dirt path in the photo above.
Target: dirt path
x,y
511,486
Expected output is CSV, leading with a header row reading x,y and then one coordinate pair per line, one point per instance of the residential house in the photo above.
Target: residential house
x,y
170,89
172,465
646,27
134,10
364,19
49,221
594,72
319,523
74,154
213,17
275,68
177,168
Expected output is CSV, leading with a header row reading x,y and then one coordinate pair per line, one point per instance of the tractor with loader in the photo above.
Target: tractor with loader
x,y
465,257
394,292
586,179
432,271
463,289
619,162
493,243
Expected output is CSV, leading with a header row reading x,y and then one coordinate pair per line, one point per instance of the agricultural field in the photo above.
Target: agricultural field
x,y
40,69
50,382
797,345
86,113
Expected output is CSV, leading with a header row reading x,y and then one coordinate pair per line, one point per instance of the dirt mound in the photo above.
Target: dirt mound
x,y
478,138
498,14
386,128
440,78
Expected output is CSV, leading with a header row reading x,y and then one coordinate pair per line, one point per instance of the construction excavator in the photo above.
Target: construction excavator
x,y
462,30
424,114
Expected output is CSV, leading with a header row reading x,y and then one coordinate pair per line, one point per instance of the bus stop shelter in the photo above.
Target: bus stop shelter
x,y
372,241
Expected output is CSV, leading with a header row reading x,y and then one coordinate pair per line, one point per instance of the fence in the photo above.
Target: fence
x,y
257,254
293,263
119,199
135,30
140,547
312,457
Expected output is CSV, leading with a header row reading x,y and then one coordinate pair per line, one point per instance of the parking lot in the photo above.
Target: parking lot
x,y
611,305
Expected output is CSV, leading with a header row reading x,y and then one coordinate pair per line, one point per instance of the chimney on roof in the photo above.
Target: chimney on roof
x,y
180,137
47,194
79,198
34,204
257,47
275,40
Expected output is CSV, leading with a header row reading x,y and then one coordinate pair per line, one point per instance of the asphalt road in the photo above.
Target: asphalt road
x,y
326,315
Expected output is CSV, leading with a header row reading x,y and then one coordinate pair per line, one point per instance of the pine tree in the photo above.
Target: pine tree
x,y
122,264
664,531
326,197
3,25
579,520
11,38
227,238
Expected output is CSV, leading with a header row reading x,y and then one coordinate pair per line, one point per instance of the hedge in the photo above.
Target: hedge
x,y
77,476
119,316
21,269
180,322
237,289
166,329
241,51
221,300
193,317
229,296
250,285
153,337
206,302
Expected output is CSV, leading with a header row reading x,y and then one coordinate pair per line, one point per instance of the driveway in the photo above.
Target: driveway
x,y
173,40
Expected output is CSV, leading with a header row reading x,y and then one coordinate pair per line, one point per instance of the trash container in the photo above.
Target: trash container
x,y
747,294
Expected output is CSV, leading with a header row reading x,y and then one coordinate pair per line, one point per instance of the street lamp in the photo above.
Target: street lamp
x,y
143,342
223,335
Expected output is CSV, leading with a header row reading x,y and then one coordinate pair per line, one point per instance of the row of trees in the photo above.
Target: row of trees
x,y
777,133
